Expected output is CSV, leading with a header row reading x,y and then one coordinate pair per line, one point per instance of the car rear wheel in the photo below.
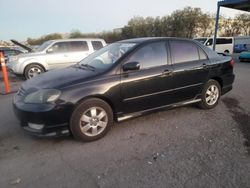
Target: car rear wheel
x,y
91,120
33,70
210,95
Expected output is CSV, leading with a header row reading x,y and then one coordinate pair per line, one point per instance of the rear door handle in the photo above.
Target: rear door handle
x,y
204,64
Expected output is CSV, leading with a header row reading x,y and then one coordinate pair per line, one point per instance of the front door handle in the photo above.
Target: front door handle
x,y
166,72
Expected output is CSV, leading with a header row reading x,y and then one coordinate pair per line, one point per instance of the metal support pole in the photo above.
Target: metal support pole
x,y
216,25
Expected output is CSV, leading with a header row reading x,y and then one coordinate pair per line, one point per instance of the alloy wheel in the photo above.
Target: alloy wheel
x,y
212,95
93,121
34,71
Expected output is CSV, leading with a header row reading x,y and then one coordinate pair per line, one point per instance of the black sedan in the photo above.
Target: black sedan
x,y
120,81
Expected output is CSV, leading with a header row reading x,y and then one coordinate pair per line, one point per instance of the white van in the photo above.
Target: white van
x,y
223,44
53,54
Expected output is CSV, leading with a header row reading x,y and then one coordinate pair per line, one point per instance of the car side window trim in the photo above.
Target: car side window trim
x,y
201,50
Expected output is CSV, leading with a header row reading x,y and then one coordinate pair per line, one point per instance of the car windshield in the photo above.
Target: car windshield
x,y
107,56
43,46
201,40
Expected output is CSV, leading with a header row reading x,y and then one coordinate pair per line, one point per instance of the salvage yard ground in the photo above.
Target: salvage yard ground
x,y
182,147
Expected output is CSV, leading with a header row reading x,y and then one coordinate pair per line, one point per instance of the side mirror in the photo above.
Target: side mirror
x,y
208,44
50,50
131,66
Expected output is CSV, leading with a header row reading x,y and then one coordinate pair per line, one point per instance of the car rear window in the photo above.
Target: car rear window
x,y
97,45
183,51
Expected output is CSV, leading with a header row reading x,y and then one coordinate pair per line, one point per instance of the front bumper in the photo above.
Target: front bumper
x,y
14,67
54,118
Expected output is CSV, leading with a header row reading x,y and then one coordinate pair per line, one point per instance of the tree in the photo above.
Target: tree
x,y
44,38
188,22
244,23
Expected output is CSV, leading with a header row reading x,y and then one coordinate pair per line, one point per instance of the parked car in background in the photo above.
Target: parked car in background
x,y
238,48
9,52
223,44
120,81
54,54
244,56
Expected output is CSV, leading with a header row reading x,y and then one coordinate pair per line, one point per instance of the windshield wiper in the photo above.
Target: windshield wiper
x,y
90,67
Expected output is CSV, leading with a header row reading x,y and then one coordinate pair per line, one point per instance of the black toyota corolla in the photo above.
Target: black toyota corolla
x,y
122,80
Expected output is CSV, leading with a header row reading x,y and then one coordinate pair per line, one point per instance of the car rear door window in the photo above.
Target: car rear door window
x,y
183,51
77,46
96,45
151,55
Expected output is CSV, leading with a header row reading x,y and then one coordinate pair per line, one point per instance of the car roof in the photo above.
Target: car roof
x,y
151,39
77,39
139,41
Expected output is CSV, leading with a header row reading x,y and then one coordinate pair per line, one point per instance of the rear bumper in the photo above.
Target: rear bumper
x,y
227,83
226,89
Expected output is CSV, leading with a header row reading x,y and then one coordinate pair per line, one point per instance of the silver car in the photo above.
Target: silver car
x,y
53,54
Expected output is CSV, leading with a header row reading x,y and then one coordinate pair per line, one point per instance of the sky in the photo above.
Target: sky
x,y
21,19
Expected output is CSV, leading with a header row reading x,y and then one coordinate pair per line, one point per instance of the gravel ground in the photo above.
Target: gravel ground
x,y
182,147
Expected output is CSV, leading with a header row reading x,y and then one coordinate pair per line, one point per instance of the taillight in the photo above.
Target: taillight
x,y
232,62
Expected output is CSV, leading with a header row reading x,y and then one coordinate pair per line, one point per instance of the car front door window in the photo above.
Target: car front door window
x,y
59,47
151,55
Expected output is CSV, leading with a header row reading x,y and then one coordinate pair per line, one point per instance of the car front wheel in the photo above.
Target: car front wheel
x,y
33,70
210,95
91,120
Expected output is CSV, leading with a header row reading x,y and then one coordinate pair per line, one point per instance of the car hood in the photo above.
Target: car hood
x,y
29,55
60,78
22,45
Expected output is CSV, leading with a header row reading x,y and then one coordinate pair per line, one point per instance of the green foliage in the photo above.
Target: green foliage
x,y
42,39
181,23
109,37
188,23
243,21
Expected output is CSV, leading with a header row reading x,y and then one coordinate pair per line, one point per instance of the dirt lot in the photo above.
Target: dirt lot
x,y
183,147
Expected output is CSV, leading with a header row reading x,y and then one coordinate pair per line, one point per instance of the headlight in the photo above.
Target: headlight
x,y
43,96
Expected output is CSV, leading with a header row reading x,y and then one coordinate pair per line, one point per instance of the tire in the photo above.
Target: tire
x,y
85,125
214,87
226,51
33,70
